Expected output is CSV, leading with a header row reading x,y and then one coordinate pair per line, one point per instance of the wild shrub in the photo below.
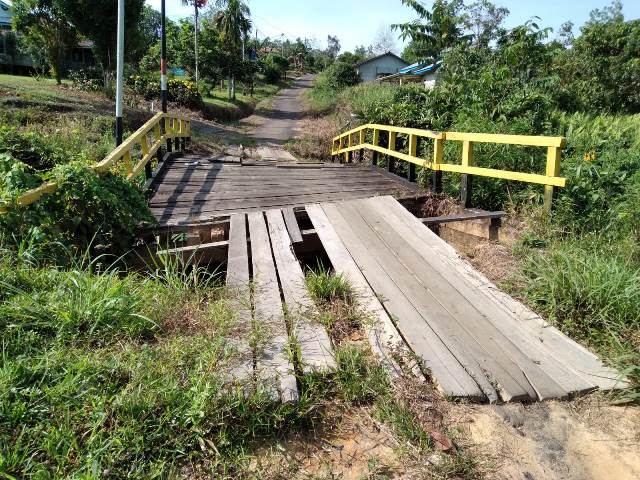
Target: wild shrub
x,y
86,210
183,92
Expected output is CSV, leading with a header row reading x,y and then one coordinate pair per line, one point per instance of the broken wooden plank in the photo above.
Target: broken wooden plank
x,y
316,351
384,339
239,295
450,376
292,225
272,341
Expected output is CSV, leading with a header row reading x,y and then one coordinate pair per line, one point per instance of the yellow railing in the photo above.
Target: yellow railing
x,y
356,139
136,152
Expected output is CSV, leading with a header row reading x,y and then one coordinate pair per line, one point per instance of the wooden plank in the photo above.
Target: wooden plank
x,y
520,323
216,207
284,191
316,352
462,216
239,295
386,343
292,225
272,359
515,373
445,369
462,347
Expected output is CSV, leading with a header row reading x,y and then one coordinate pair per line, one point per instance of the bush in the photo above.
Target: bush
x,y
34,149
89,79
86,210
340,75
183,92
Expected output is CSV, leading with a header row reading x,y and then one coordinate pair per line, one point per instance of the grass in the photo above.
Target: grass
x,y
591,290
327,287
222,107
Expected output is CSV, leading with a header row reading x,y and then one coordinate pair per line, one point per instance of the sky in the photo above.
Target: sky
x,y
356,22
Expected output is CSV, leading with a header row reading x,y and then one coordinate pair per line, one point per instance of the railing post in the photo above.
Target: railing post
x,y
467,179
144,145
376,142
363,132
393,136
438,155
553,170
168,131
413,151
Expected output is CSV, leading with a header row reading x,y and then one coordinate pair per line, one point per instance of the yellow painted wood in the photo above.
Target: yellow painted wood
x,y
467,153
392,140
128,164
413,145
438,153
504,174
552,170
362,135
144,145
533,141
376,137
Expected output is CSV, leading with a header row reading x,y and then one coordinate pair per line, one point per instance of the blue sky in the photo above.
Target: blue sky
x,y
355,22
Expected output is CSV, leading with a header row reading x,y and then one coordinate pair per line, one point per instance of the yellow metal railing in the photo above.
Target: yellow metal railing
x,y
144,144
356,139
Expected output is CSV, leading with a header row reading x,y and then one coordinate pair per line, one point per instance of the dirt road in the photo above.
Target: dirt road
x,y
277,123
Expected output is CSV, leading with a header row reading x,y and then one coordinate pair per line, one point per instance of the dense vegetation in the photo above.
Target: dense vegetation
x,y
582,263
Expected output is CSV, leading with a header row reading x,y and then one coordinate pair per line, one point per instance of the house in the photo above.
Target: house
x,y
12,60
380,66
426,74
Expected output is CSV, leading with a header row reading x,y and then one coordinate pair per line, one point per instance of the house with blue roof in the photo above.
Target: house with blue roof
x,y
419,72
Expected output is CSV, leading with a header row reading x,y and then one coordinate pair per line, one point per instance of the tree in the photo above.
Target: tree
x,y
233,23
565,34
45,28
97,20
197,5
610,13
333,46
434,30
384,41
484,20
351,58
145,35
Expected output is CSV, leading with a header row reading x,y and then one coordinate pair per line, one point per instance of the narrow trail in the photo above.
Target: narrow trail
x,y
279,123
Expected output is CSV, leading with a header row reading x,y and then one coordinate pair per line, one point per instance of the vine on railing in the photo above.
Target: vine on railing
x,y
134,154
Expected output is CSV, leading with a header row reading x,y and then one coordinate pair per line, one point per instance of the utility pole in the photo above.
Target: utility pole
x,y
163,57
119,71
196,37
163,69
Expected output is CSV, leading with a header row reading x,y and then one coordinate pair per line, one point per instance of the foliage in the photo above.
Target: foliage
x,y
182,92
601,72
435,30
95,19
340,75
45,28
86,210
87,79
326,287
274,67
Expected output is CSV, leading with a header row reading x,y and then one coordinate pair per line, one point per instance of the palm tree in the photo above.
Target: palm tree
x,y
233,23
197,5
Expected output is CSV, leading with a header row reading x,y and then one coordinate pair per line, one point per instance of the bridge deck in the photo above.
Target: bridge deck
x,y
475,341
196,187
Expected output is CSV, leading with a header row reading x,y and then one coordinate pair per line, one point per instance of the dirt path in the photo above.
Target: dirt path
x,y
278,123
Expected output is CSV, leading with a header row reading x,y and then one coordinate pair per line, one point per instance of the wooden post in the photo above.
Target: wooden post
x,y
467,161
392,146
438,155
376,142
168,130
362,142
144,145
413,151
553,170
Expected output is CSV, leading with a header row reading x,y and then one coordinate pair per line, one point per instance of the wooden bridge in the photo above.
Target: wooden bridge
x,y
258,216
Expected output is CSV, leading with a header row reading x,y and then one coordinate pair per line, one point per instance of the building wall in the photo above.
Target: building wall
x,y
430,80
380,67
5,15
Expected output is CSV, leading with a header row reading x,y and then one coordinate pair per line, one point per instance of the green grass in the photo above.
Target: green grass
x,y
222,107
591,290
327,287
